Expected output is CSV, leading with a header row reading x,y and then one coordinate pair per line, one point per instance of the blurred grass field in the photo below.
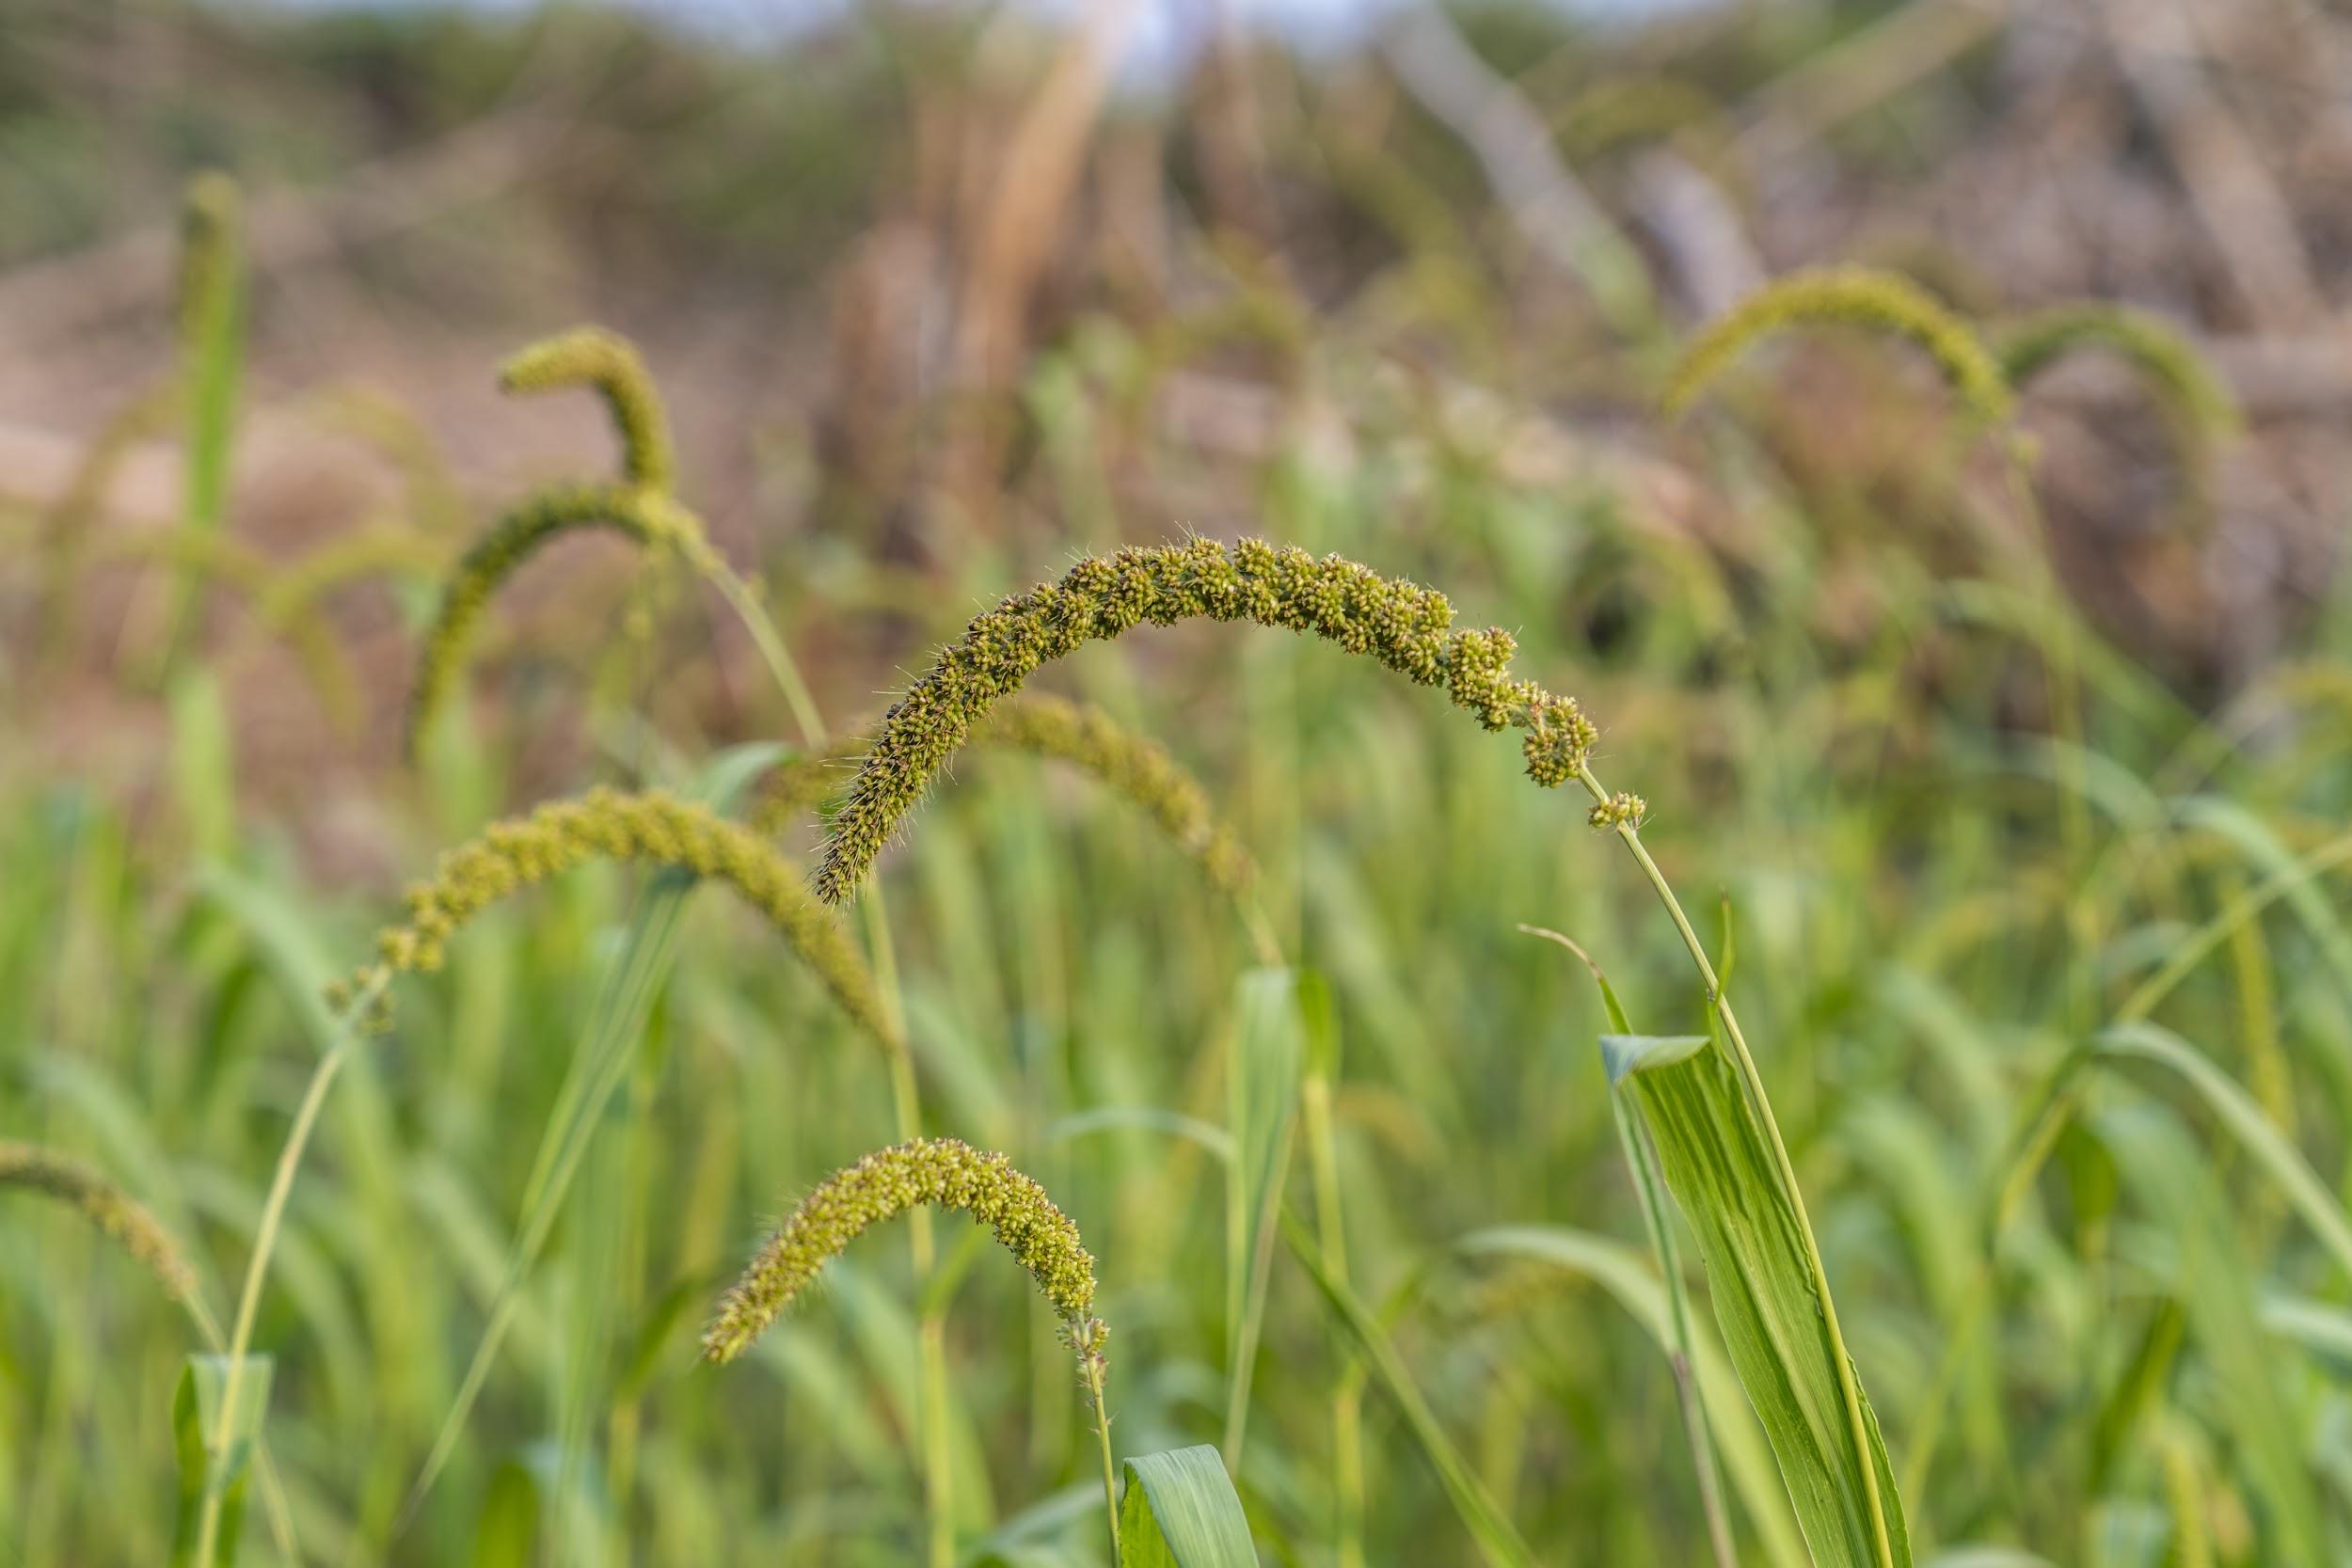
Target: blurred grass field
x,y
2002,769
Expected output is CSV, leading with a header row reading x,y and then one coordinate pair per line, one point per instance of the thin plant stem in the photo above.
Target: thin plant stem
x,y
1093,1370
786,674
1347,1448
265,1242
1752,1081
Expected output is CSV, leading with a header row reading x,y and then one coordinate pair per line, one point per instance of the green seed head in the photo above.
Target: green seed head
x,y
642,506
1855,296
1129,764
2198,405
1403,626
608,363
117,1216
209,210
2181,375
942,1172
494,558
1621,810
655,828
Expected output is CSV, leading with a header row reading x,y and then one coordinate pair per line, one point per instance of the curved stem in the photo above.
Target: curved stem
x,y
264,1243
1752,1081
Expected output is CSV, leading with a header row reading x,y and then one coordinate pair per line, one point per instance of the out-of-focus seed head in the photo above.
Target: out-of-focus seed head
x,y
1855,296
653,827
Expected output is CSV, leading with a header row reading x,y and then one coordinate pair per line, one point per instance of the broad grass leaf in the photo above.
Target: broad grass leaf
x,y
1720,1165
507,1533
1179,1510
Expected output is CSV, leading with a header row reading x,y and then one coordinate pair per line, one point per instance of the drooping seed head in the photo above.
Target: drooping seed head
x,y
2182,375
495,557
2199,406
1130,765
640,506
944,1173
119,1218
655,828
608,364
1854,296
1404,626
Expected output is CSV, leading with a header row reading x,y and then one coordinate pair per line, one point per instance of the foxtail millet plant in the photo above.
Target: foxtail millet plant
x,y
1404,626
640,506
133,1227
2181,375
205,556
1133,766
653,827
117,1216
212,364
1401,625
2198,405
945,1172
1852,296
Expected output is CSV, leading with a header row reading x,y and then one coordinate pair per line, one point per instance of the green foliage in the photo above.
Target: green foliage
x,y
1718,1161
217,1444
1180,1512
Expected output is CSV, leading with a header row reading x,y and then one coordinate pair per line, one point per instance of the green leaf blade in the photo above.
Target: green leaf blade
x,y
1179,1510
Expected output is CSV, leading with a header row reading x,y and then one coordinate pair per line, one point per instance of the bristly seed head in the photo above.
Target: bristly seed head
x,y
1857,296
943,1172
1404,626
119,1218
654,827
1133,767
607,362
640,506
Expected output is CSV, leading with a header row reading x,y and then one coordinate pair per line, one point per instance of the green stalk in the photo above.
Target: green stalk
x,y
265,1242
1093,1365
1752,1081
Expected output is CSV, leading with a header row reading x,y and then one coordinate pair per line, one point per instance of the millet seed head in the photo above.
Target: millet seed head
x,y
1855,296
119,1218
944,1173
655,828
608,363
1404,626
